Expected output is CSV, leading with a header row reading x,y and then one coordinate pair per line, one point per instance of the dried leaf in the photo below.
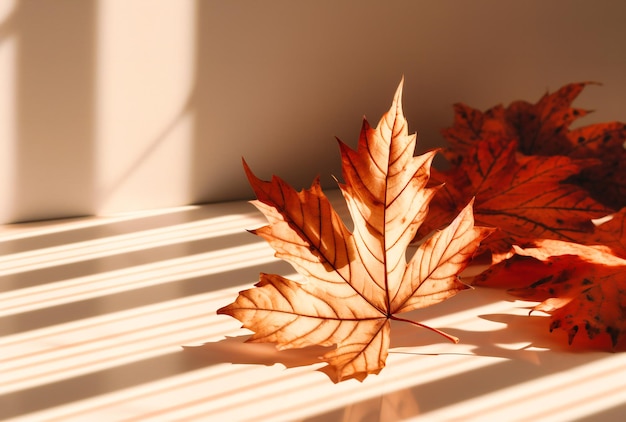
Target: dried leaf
x,y
543,129
583,288
524,196
355,282
472,126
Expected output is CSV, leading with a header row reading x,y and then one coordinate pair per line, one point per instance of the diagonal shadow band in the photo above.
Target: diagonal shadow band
x,y
50,233
96,383
120,260
190,358
136,298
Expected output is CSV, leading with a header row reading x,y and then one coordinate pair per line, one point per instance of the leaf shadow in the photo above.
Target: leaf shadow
x,y
535,330
236,350
520,337
513,337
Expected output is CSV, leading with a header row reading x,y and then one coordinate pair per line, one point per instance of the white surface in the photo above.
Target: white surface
x,y
114,319
118,105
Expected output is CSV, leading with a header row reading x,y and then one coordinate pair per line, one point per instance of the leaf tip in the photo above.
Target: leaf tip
x,y
224,310
397,98
252,179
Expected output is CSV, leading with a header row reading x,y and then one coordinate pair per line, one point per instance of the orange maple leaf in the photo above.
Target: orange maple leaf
x,y
583,288
523,196
543,128
355,282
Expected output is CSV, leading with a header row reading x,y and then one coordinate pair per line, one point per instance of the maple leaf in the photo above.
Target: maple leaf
x,y
355,282
524,196
471,126
543,128
583,288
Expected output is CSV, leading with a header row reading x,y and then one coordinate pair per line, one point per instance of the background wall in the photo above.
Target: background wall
x,y
115,105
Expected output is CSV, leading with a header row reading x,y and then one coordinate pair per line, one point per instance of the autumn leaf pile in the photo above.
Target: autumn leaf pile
x,y
541,183
532,184
543,129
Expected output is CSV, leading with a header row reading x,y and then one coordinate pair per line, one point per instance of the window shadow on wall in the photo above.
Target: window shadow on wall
x,y
54,104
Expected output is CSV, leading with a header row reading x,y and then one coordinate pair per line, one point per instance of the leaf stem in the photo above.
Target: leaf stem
x,y
452,338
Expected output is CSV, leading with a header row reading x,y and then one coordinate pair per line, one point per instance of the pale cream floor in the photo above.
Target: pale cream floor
x,y
113,319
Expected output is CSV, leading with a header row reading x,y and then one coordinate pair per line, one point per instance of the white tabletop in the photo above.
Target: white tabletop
x,y
113,318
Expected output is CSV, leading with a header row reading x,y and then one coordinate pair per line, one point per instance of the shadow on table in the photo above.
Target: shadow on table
x,y
526,349
235,350
528,352
97,383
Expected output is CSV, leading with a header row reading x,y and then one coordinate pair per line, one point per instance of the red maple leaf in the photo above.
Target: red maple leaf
x,y
523,196
583,288
544,128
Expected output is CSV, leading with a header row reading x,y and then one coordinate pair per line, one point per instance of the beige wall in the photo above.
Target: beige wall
x,y
115,105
